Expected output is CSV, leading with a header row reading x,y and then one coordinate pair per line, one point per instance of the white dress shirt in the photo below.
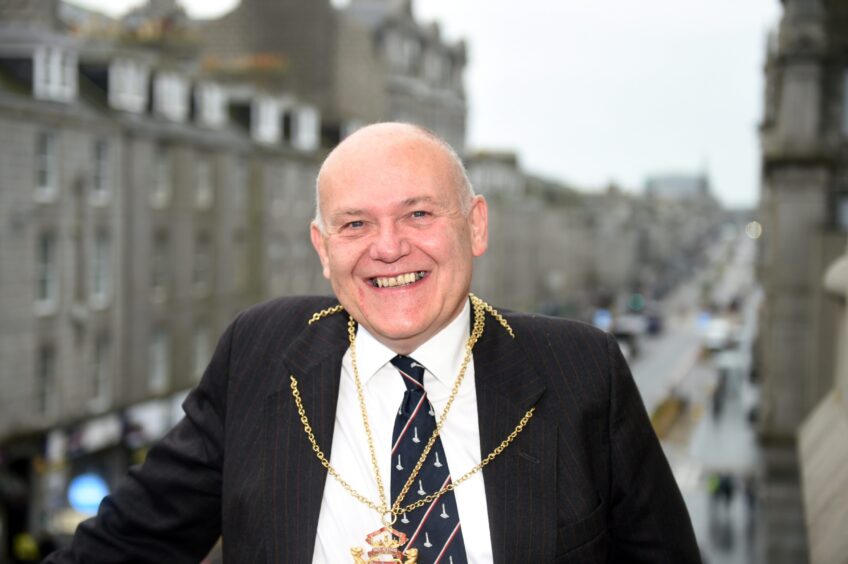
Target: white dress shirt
x,y
344,521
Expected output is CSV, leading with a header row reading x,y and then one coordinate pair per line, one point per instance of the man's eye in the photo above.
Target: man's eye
x,y
420,213
354,224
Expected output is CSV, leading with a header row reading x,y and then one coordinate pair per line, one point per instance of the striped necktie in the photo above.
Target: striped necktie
x,y
434,528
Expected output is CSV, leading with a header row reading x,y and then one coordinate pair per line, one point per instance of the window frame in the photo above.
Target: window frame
x,y
46,273
46,166
159,361
44,386
100,289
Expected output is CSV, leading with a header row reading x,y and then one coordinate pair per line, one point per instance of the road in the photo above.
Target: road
x,y
713,437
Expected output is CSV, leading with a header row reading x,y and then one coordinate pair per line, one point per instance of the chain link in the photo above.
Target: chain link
x,y
480,307
476,332
320,454
324,313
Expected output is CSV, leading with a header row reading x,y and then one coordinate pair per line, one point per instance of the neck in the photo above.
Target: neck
x,y
409,345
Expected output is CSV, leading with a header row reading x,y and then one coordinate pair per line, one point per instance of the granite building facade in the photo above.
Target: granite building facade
x,y
804,209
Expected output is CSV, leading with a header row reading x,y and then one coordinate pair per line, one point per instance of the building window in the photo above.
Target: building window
x,y
101,373
54,74
201,350
100,174
128,85
160,195
160,361
202,267
845,102
47,284
241,260
266,125
100,269
45,166
45,382
204,191
842,211
171,96
159,267
432,66
212,105
242,178
306,133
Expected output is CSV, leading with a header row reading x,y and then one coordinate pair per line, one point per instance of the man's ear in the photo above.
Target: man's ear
x,y
319,241
478,219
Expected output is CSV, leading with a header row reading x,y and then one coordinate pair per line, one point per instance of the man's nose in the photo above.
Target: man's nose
x,y
390,244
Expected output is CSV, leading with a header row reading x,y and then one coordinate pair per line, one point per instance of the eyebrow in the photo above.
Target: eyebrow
x,y
415,200
347,213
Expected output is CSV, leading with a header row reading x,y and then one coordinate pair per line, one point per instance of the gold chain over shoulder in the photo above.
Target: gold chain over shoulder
x,y
389,513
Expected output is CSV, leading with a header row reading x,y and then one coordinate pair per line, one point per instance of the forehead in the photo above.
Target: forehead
x,y
393,172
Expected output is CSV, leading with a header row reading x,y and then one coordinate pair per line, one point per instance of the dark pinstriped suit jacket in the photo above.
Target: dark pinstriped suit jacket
x,y
585,482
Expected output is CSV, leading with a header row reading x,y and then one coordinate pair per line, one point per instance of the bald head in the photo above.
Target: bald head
x,y
397,232
384,138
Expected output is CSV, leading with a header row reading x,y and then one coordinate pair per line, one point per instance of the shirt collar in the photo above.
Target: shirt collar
x,y
441,355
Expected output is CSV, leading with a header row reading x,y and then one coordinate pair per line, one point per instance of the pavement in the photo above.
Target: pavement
x,y
706,443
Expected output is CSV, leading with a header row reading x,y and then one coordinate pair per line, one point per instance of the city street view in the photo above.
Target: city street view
x,y
675,178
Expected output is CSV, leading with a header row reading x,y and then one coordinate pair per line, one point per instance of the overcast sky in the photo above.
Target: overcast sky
x,y
598,91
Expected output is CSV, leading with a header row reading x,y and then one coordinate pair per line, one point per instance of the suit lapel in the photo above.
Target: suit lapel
x,y
294,477
520,483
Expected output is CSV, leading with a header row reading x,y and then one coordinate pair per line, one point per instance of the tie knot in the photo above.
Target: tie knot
x,y
412,372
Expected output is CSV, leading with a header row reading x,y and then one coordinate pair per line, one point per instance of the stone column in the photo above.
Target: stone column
x,y
823,449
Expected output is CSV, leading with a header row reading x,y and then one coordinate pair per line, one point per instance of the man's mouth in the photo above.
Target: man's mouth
x,y
399,280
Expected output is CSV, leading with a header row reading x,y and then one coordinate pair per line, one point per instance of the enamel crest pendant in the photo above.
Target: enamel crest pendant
x,y
385,545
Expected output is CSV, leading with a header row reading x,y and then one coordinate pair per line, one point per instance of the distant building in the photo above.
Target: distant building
x,y
804,135
678,187
152,186
371,61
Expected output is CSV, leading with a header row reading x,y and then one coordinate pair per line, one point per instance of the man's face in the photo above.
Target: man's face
x,y
397,247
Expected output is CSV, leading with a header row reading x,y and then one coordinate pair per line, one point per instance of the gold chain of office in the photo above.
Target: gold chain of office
x,y
389,515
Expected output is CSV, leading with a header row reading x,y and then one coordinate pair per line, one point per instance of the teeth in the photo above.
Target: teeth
x,y
399,280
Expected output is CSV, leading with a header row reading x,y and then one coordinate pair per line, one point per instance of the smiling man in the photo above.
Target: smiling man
x,y
403,420
397,229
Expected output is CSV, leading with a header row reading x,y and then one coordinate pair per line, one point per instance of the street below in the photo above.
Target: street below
x,y
709,438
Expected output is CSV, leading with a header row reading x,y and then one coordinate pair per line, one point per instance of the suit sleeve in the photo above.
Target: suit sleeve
x,y
648,520
169,508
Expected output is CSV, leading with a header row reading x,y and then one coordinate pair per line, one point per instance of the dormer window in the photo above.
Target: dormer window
x,y
54,74
432,66
265,125
306,128
211,104
170,96
394,49
128,85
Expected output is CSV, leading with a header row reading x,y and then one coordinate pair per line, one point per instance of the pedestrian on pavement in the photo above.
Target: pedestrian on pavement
x,y
726,490
582,477
719,394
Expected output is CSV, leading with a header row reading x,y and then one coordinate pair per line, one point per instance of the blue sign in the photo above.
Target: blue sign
x,y
86,491
602,319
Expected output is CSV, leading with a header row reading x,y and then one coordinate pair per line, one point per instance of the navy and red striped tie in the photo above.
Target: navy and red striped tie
x,y
434,528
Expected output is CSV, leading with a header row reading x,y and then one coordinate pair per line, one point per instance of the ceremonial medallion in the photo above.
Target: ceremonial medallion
x,y
385,546
386,542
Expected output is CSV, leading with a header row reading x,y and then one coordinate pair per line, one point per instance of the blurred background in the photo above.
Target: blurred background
x,y
676,176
